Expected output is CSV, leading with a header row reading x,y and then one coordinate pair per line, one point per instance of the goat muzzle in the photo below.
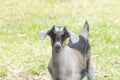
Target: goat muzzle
x,y
57,46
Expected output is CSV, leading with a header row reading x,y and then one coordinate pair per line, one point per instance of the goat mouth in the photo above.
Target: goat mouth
x,y
57,49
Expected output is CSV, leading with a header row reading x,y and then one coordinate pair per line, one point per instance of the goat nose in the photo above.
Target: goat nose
x,y
57,48
57,45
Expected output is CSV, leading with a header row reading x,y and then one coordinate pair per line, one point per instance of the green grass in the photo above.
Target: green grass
x,y
22,20
3,70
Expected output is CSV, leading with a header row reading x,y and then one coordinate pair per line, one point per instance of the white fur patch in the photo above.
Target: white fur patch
x,y
59,28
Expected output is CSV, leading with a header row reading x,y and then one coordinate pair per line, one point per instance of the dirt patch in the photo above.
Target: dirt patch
x,y
15,74
26,77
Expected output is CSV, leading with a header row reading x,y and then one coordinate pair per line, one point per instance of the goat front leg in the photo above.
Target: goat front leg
x,y
50,69
73,76
90,72
77,76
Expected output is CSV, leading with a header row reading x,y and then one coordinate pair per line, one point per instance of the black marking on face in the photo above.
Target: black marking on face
x,y
82,45
58,35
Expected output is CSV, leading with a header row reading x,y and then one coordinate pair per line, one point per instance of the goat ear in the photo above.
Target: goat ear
x,y
43,34
74,38
85,30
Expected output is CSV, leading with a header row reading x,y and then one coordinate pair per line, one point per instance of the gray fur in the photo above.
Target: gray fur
x,y
72,61
74,38
43,34
85,30
90,73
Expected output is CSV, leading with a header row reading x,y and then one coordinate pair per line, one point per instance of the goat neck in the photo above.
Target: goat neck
x,y
58,57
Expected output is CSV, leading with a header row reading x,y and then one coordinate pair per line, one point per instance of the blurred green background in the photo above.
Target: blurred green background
x,y
24,57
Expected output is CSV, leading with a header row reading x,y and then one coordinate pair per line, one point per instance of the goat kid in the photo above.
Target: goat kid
x,y
71,61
